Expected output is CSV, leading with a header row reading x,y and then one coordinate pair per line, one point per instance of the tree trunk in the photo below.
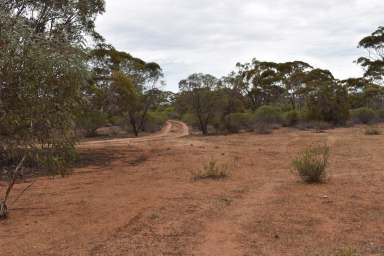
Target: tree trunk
x,y
12,181
3,211
204,129
133,125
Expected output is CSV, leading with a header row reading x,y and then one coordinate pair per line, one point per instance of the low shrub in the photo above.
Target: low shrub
x,y
291,118
263,128
190,119
380,114
155,121
236,122
363,115
311,164
212,170
372,130
269,115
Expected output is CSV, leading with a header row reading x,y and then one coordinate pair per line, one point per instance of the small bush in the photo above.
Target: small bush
x,y
363,115
311,164
155,121
238,121
268,115
291,118
372,130
380,114
190,119
212,170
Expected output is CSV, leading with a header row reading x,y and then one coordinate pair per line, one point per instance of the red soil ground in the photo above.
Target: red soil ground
x,y
137,197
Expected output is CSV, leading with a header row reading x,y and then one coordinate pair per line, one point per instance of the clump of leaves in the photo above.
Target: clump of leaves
x,y
372,130
212,170
311,164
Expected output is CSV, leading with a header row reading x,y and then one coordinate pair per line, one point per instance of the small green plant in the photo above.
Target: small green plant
x,y
372,130
291,118
347,252
269,114
363,115
212,170
311,164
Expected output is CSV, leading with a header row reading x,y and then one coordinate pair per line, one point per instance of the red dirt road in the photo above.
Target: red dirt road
x,y
136,197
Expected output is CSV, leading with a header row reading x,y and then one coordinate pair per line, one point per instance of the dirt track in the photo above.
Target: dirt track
x,y
136,197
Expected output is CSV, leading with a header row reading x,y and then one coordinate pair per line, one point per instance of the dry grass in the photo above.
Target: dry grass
x,y
212,170
311,164
372,130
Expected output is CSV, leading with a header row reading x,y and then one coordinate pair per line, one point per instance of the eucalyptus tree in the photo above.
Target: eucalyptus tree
x,y
373,63
260,82
293,76
326,97
109,66
198,94
64,20
42,72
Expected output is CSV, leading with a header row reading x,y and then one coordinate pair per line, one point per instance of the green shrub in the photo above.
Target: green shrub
x,y
238,121
372,130
263,128
90,121
380,114
269,115
363,115
190,119
311,164
212,170
155,121
291,118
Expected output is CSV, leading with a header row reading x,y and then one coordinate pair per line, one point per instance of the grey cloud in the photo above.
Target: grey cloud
x,y
186,36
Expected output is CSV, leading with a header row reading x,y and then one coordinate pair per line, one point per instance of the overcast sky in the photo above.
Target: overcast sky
x,y
211,36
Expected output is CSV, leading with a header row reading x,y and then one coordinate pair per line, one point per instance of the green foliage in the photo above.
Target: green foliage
x,y
374,62
291,118
239,121
155,120
328,101
363,115
40,92
212,170
90,120
380,114
200,97
268,115
311,164
66,21
191,120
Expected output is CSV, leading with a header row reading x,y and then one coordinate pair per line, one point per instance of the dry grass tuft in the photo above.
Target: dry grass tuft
x,y
311,164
